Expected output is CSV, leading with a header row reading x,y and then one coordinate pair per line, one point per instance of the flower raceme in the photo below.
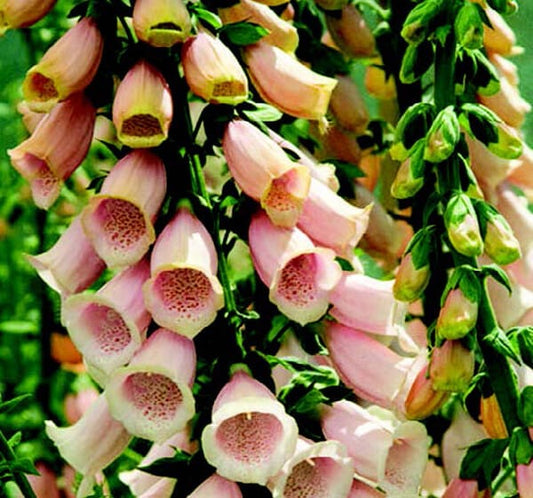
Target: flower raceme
x,y
299,275
142,108
66,68
212,71
118,220
250,436
183,293
264,172
22,13
152,396
47,158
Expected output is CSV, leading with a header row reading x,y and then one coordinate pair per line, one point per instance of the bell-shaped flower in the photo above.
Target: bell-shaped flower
x,y
184,293
524,479
282,34
250,436
71,264
331,221
464,488
388,452
316,469
348,106
286,83
108,326
22,13
218,486
91,444
452,367
67,67
373,371
491,416
30,119
498,36
212,71
142,109
299,275
145,485
505,68
56,148
360,489
264,172
367,304
76,404
335,142
118,221
161,23
152,396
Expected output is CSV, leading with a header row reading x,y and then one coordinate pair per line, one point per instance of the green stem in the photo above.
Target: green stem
x,y
444,72
19,477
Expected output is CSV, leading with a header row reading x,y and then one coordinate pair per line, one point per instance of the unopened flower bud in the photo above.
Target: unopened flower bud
x,y
20,14
161,23
458,316
452,367
416,61
462,226
469,26
212,71
443,136
410,176
421,21
492,418
423,400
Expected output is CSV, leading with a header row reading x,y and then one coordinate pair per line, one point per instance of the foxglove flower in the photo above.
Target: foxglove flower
x,y
265,173
499,37
152,396
452,367
91,444
212,71
109,326
48,158
66,68
360,489
250,436
286,83
331,221
218,486
281,34
161,23
316,469
299,275
184,293
464,488
388,452
71,265
348,106
491,416
142,109
22,13
524,479
118,221
367,304
458,315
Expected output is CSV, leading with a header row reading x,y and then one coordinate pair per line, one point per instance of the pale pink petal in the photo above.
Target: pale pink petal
x,y
361,490
216,485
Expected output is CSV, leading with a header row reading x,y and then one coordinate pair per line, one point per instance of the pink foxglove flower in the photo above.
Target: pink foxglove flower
x,y
71,265
92,443
348,106
367,304
331,221
118,221
66,68
286,83
161,23
499,37
108,326
265,173
465,488
184,293
388,452
524,480
145,485
212,71
316,469
152,396
48,158
218,486
458,315
282,34
250,436
76,404
30,118
142,109
360,489
452,367
22,13
300,275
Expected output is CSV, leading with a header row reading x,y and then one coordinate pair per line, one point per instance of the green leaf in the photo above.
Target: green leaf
x,y
526,406
263,112
243,33
12,403
167,467
22,465
499,341
15,439
482,460
497,274
206,16
520,447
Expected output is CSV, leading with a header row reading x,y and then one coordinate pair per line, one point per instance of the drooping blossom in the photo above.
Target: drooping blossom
x,y
183,293
348,106
218,486
22,13
118,221
299,275
109,326
464,488
524,479
152,395
250,436
67,67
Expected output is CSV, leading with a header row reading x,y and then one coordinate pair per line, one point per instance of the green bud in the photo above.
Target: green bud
x,y
523,337
410,176
421,21
416,61
452,367
443,136
462,226
411,127
469,26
